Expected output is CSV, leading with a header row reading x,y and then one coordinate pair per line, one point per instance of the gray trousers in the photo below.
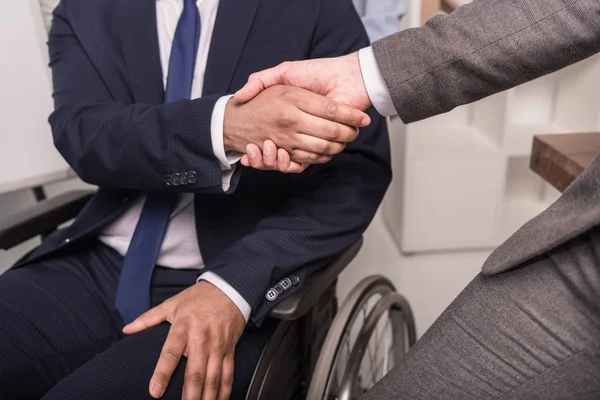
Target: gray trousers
x,y
529,333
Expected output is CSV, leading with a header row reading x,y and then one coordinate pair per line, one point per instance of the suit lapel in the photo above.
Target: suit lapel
x,y
233,22
136,21
576,211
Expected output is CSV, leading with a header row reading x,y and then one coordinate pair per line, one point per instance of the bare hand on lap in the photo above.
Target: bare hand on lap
x,y
308,126
205,327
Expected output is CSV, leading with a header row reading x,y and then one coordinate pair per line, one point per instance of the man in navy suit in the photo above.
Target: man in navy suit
x,y
162,284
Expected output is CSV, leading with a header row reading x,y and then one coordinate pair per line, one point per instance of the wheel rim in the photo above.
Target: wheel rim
x,y
329,375
379,346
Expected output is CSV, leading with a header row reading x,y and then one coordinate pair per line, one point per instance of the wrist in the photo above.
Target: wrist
x,y
230,141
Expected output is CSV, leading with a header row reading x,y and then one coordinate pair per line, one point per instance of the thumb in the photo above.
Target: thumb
x,y
150,318
260,81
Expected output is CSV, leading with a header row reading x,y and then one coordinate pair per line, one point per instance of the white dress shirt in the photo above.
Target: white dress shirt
x,y
375,84
180,248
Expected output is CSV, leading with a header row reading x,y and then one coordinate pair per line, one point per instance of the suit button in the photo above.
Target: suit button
x,y
125,200
169,180
183,179
192,177
279,289
286,283
67,241
295,280
272,295
175,179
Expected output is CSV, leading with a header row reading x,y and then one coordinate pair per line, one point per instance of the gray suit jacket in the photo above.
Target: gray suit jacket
x,y
486,47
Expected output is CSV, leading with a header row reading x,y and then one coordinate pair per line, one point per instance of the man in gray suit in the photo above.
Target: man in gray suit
x,y
528,327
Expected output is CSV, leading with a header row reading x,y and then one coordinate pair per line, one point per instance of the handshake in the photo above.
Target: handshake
x,y
296,114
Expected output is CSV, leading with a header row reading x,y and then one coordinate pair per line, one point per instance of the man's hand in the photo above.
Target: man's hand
x,y
338,79
270,158
205,327
310,127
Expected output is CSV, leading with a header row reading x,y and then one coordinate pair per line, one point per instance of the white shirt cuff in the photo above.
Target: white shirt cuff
x,y
229,291
227,159
376,88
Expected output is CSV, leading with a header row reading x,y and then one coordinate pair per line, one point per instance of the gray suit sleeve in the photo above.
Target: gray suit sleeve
x,y
483,48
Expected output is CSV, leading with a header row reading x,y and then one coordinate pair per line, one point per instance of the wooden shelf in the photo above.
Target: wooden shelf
x,y
560,159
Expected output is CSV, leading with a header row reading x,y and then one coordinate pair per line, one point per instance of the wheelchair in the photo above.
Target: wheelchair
x,y
318,351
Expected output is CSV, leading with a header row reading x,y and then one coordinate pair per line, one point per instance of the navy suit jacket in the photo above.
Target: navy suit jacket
x,y
112,127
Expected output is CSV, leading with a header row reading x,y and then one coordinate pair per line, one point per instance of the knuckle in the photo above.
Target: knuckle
x,y
228,380
213,381
171,354
331,109
286,117
333,131
322,147
203,336
195,377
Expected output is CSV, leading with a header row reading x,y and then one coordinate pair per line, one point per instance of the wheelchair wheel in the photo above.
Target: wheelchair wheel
x,y
371,332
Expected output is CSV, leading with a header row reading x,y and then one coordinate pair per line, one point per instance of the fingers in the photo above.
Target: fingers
x,y
305,157
254,158
226,378
327,130
312,144
152,317
331,110
284,163
195,371
297,168
169,358
259,81
270,154
212,383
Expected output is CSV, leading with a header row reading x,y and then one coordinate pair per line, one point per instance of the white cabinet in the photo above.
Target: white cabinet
x,y
462,179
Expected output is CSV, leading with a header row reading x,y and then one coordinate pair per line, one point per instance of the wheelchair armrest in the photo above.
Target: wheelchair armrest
x,y
300,302
41,218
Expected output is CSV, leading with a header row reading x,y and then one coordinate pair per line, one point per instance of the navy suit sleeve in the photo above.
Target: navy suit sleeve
x,y
334,206
111,143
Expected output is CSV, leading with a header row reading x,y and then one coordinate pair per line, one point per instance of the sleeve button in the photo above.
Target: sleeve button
x,y
272,295
279,289
192,177
183,179
286,283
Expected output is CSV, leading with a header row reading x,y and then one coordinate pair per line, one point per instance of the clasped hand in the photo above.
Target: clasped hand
x,y
338,79
306,127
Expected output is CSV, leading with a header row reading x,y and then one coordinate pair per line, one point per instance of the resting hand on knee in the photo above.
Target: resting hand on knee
x,y
205,327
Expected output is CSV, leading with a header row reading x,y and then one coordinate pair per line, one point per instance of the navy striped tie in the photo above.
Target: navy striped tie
x,y
133,291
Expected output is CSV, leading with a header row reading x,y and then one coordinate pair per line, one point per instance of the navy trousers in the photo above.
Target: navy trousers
x,y
60,334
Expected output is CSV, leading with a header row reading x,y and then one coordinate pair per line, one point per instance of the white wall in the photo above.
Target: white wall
x,y
26,149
